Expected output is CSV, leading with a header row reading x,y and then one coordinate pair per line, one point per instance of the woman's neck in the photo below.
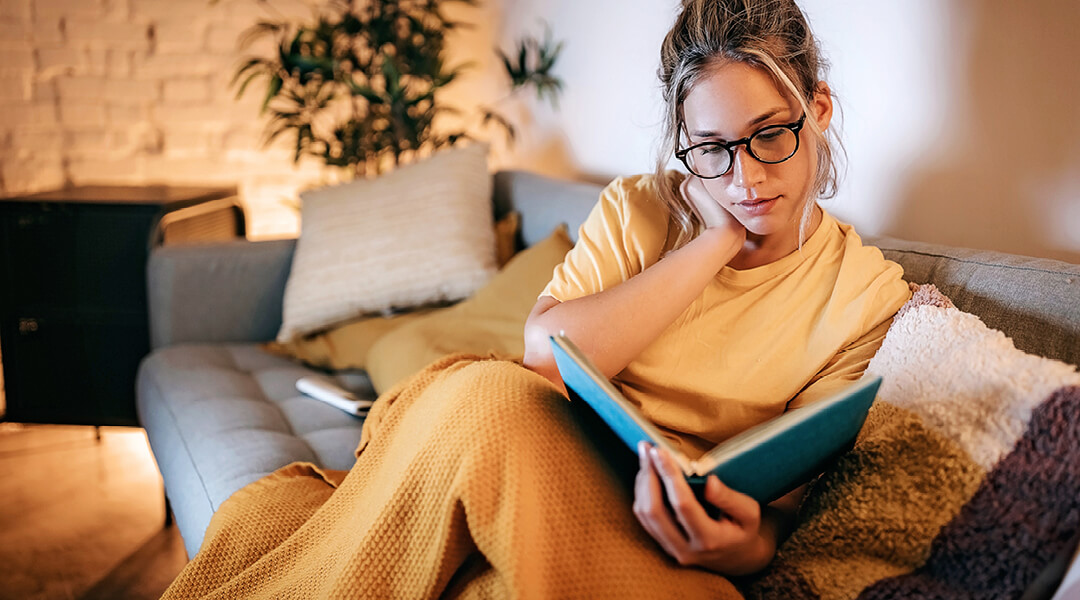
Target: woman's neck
x,y
761,250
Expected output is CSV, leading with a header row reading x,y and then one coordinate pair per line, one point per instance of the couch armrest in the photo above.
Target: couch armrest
x,y
226,292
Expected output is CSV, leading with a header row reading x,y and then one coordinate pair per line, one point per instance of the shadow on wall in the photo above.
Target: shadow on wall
x,y
1004,173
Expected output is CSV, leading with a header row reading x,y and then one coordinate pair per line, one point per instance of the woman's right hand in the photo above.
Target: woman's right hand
x,y
708,209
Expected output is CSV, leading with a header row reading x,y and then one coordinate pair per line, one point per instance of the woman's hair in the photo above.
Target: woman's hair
x,y
769,34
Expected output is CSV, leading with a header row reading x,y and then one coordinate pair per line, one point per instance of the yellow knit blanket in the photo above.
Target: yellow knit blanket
x,y
472,479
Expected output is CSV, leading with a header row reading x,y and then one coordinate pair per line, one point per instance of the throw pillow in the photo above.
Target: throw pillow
x,y
964,482
346,346
491,321
421,234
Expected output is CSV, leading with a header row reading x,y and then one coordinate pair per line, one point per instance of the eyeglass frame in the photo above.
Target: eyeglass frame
x,y
795,127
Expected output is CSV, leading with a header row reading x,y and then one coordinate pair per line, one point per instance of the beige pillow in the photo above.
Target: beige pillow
x,y
491,321
419,235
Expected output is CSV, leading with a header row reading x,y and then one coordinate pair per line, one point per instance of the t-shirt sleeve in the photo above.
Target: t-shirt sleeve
x,y
889,293
622,236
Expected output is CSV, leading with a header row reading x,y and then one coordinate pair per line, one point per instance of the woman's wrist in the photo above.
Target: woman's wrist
x,y
722,243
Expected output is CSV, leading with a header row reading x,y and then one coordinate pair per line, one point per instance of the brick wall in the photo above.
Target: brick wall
x,y
135,91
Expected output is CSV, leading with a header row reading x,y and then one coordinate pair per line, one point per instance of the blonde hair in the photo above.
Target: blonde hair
x,y
769,34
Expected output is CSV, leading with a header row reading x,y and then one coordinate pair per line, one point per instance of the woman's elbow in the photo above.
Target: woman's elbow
x,y
538,356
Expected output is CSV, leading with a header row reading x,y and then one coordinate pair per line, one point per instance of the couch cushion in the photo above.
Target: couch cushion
x,y
221,416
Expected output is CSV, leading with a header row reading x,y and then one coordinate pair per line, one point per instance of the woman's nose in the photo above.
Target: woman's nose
x,y
747,172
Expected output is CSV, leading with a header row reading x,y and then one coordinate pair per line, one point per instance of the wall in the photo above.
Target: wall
x,y
134,91
957,114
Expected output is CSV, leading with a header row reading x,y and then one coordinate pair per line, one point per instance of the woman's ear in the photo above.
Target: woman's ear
x,y
822,105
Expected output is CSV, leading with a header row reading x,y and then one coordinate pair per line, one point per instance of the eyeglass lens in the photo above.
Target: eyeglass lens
x,y
770,145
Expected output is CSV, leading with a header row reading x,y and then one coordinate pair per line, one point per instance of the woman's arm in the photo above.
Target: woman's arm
x,y
614,326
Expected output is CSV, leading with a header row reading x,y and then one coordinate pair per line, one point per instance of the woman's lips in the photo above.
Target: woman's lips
x,y
757,206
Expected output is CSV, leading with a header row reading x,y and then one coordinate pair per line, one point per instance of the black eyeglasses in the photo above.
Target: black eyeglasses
x,y
771,145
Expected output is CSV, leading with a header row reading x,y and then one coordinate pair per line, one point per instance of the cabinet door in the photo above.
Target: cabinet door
x,y
38,256
68,370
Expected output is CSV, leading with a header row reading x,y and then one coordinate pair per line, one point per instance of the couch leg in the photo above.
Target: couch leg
x,y
168,512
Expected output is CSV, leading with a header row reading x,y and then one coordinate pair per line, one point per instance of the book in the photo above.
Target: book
x,y
765,462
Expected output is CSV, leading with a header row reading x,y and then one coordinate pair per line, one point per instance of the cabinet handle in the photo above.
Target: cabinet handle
x,y
27,325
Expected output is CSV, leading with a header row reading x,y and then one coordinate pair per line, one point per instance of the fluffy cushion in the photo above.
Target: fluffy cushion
x,y
421,234
346,346
965,481
492,321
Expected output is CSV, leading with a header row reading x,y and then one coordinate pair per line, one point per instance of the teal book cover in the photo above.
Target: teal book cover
x,y
764,462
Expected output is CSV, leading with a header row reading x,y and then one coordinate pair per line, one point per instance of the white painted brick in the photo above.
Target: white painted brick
x,y
28,113
188,142
16,60
126,35
130,90
118,63
38,140
225,37
119,113
186,91
178,36
117,10
86,141
187,114
241,138
13,87
15,10
187,170
32,174
79,114
84,9
43,91
90,169
15,31
48,31
160,10
97,57
164,66
81,88
59,57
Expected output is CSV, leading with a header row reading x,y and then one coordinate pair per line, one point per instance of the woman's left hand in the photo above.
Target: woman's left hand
x,y
734,544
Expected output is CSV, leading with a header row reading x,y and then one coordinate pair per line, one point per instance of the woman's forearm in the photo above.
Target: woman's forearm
x,y
614,326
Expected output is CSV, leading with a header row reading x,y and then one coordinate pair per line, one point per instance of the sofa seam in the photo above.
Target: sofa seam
x,y
187,448
975,262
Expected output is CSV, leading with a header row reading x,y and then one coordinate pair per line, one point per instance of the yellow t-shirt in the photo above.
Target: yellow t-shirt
x,y
755,342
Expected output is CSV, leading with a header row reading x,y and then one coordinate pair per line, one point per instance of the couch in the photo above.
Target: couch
x,y
220,412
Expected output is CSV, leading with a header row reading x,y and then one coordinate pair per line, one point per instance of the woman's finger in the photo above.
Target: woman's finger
x,y
737,506
650,510
689,512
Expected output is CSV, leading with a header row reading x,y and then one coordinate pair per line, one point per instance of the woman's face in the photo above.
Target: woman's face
x,y
733,101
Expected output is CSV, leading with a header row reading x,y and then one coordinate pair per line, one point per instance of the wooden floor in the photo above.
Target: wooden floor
x,y
82,518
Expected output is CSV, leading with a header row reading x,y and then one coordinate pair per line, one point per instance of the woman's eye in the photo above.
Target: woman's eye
x,y
768,136
705,150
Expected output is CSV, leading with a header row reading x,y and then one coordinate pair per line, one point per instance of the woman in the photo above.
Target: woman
x,y
744,296
715,301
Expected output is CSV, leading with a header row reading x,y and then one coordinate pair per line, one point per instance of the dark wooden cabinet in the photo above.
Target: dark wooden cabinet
x,y
73,317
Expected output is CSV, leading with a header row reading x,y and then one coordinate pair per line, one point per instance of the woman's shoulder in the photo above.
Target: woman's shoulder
x,y
635,199
864,268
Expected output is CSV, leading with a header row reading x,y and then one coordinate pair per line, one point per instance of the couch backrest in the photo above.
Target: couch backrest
x,y
1034,301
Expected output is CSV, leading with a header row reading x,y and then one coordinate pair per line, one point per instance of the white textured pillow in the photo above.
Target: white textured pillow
x,y
421,234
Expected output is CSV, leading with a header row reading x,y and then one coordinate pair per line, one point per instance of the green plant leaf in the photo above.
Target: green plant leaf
x,y
271,91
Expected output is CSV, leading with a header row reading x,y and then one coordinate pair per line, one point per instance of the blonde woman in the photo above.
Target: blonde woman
x,y
723,298
715,301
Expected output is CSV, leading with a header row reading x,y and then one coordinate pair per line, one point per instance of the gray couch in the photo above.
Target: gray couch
x,y
220,413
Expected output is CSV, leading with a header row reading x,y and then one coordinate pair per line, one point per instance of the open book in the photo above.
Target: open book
x,y
764,462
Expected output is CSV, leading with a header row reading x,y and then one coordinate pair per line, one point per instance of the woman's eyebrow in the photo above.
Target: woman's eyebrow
x,y
765,116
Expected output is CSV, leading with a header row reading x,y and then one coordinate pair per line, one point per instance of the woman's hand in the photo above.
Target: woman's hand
x,y
708,210
735,544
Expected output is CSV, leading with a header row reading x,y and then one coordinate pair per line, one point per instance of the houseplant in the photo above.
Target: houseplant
x,y
358,84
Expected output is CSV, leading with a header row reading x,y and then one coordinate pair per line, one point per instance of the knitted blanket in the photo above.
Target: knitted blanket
x,y
472,479
964,482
